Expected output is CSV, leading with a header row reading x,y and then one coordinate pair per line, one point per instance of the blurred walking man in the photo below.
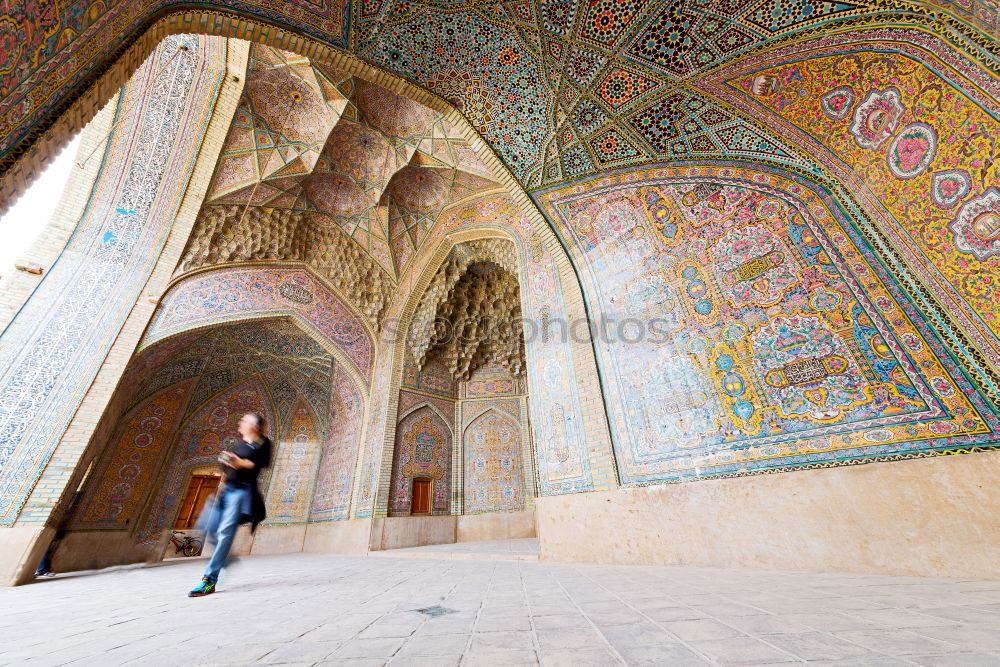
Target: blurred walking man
x,y
239,500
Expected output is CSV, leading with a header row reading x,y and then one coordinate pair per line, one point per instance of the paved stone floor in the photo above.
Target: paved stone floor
x,y
523,549
338,610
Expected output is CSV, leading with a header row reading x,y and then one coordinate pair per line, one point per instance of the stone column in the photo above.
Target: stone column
x,y
63,352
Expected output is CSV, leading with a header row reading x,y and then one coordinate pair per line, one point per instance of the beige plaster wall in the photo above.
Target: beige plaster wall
x,y
338,537
417,531
286,539
93,550
97,549
925,517
21,547
412,531
496,526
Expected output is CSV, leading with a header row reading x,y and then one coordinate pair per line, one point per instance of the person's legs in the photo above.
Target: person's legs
x,y
222,529
45,566
229,521
214,518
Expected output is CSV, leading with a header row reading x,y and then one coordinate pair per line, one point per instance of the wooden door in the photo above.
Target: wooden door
x,y
421,496
199,489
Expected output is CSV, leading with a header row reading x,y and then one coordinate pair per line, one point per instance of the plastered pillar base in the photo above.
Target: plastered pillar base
x,y
399,532
922,517
279,539
496,526
338,537
21,547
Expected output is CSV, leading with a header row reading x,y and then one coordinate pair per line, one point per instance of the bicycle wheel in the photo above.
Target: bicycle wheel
x,y
192,548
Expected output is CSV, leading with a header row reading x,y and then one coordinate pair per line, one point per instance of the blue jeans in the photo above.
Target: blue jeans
x,y
222,527
46,563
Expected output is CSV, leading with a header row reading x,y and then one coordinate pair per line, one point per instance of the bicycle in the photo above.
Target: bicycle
x,y
190,546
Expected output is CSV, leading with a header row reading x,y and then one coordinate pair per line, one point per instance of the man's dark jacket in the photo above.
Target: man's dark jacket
x,y
259,452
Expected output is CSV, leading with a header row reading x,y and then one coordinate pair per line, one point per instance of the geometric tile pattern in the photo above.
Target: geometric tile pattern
x,y
536,71
143,436
682,124
514,67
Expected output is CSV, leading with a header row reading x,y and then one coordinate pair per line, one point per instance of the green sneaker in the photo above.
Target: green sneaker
x,y
206,587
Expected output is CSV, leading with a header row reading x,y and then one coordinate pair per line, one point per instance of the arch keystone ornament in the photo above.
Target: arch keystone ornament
x,y
837,103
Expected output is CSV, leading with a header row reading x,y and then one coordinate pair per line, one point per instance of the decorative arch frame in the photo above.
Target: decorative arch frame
x,y
443,420
812,197
285,438
147,503
188,409
288,265
594,458
145,531
526,473
107,459
359,371
438,255
972,349
434,408
314,515
210,22
343,363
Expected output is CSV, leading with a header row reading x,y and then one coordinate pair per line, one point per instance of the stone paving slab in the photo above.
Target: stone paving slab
x,y
344,610
519,549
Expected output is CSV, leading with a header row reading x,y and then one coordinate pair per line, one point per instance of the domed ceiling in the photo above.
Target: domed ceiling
x,y
341,153
563,88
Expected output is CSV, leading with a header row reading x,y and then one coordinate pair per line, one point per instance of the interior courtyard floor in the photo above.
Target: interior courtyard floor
x,y
517,549
346,610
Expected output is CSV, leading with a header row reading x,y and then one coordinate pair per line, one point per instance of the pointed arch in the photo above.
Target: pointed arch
x,y
296,457
423,449
494,464
339,460
435,409
256,292
211,427
141,439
